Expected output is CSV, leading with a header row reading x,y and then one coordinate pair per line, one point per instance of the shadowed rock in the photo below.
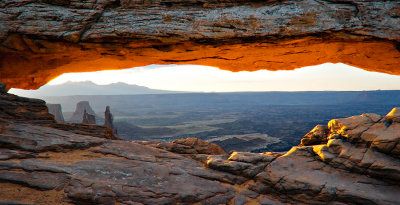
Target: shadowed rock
x,y
3,88
14,154
23,109
39,139
39,180
55,109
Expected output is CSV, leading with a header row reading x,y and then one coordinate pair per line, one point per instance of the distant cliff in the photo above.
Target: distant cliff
x,y
55,109
81,108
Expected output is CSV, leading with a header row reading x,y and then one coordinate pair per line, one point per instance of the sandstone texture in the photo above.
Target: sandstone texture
x,y
188,146
30,110
41,39
352,160
86,129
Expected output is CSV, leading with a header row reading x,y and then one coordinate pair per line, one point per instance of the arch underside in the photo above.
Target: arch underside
x,y
40,40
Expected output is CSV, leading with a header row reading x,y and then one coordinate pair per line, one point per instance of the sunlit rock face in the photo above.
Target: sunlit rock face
x,y
43,39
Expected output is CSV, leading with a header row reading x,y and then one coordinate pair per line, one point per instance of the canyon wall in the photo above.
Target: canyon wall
x,y
41,39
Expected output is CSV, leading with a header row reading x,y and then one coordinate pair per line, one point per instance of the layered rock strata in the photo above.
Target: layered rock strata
x,y
356,162
39,40
189,145
29,110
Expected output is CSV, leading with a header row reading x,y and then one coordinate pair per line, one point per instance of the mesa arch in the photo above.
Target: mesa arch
x,y
41,39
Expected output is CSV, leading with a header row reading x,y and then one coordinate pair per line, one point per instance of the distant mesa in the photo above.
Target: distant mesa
x,y
55,109
81,107
88,118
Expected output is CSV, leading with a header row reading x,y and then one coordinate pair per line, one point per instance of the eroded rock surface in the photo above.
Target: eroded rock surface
x,y
38,138
30,110
351,161
86,129
189,145
39,40
318,135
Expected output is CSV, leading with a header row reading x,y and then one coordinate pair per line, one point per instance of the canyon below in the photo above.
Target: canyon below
x,y
352,160
236,121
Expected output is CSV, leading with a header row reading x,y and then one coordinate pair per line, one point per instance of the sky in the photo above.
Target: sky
x,y
211,79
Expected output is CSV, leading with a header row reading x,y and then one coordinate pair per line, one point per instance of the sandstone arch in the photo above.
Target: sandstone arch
x,y
42,39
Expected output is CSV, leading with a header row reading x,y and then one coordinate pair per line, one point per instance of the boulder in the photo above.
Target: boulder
x,y
195,146
318,135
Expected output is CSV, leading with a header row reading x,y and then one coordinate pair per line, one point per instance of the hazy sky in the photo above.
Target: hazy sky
x,y
210,79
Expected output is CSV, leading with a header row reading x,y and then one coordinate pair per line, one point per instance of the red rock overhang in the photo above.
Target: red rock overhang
x,y
40,40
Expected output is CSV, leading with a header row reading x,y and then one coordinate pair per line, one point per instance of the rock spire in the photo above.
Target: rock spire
x,y
88,118
109,120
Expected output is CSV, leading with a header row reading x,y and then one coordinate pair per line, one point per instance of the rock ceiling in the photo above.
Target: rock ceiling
x,y
41,39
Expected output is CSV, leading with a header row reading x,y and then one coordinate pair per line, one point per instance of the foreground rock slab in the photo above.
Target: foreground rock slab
x,y
39,139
